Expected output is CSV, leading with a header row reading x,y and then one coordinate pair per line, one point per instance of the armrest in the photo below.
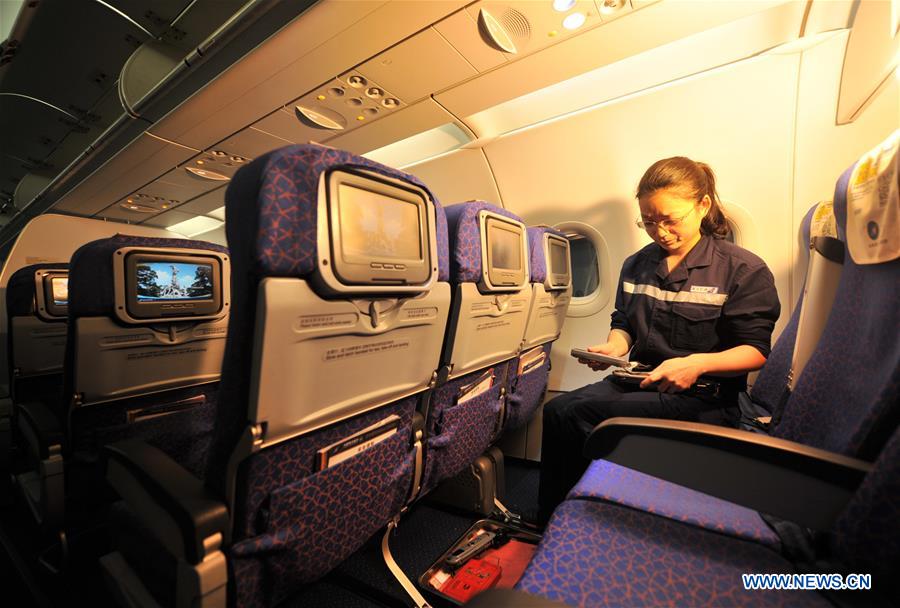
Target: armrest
x,y
170,501
790,480
40,427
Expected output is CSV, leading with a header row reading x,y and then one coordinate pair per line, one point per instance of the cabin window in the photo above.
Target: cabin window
x,y
592,281
585,266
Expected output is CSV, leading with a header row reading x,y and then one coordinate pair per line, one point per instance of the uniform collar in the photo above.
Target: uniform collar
x,y
699,256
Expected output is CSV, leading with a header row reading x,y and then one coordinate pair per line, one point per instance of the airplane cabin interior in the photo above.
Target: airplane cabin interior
x,y
290,291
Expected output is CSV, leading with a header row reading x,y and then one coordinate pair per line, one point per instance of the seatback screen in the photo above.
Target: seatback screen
x,y
379,233
503,252
160,281
52,294
559,263
506,248
377,226
59,288
159,285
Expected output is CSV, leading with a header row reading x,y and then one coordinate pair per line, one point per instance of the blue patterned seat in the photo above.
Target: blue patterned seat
x,y
549,304
484,334
810,410
310,369
599,554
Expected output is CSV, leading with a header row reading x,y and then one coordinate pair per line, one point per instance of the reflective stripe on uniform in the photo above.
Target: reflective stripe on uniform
x,y
715,299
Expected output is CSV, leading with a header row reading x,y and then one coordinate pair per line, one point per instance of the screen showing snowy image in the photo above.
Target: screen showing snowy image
x,y
161,281
376,227
506,248
59,287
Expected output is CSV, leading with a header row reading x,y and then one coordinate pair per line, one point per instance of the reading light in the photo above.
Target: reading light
x,y
129,206
207,174
574,21
563,5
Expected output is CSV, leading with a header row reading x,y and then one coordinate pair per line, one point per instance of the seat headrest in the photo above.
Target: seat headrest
x,y
272,209
537,253
92,270
465,238
21,288
867,204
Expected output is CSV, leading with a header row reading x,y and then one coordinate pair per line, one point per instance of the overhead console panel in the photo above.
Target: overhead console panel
x,y
349,101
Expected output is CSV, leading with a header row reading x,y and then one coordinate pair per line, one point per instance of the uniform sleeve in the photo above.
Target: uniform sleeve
x,y
752,309
618,318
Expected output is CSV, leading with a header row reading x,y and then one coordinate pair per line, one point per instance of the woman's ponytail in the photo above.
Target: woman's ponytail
x,y
714,223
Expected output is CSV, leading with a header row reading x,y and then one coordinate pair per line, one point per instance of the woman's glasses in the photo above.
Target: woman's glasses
x,y
668,223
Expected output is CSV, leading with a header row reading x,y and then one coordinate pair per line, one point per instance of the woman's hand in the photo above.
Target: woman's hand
x,y
674,375
607,348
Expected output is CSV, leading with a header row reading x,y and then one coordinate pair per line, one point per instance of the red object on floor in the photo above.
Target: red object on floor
x,y
470,580
512,557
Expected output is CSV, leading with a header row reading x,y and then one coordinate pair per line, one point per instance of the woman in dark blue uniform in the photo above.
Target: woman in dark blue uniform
x,y
690,303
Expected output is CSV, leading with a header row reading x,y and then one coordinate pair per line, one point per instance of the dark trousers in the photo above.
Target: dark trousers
x,y
569,419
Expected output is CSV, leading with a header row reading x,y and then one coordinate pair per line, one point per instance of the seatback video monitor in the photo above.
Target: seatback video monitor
x,y
379,231
161,285
503,252
52,291
558,266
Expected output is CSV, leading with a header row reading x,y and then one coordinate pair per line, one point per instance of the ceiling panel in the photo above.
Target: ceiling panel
x,y
143,161
324,42
203,205
418,66
119,213
461,30
250,143
169,218
411,120
284,124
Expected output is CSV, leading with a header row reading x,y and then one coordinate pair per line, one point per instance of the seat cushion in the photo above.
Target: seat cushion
x,y
597,554
605,481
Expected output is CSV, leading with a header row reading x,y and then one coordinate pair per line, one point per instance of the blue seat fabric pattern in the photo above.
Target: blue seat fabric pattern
x,y
537,258
846,400
465,238
525,391
293,524
771,383
609,482
459,433
298,524
185,435
596,554
866,536
271,213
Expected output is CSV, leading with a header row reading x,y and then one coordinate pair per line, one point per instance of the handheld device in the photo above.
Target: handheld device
x,y
581,353
637,375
